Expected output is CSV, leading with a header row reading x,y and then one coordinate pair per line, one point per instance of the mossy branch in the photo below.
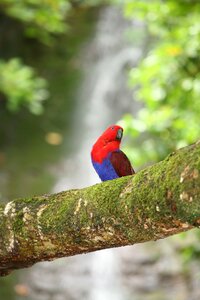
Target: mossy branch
x,y
159,201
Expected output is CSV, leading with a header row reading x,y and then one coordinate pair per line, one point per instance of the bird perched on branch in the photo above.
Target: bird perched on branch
x,y
108,160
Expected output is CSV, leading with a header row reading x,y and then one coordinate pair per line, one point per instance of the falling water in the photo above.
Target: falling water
x,y
103,98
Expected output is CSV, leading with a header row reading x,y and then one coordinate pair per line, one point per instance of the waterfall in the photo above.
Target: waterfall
x,y
104,95
103,98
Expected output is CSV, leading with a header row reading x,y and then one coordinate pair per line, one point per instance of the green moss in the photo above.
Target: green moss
x,y
152,204
18,224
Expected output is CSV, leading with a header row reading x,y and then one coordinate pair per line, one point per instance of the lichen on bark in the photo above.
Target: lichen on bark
x,y
158,201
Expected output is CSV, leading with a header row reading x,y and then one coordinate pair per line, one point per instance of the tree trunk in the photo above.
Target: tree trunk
x,y
159,201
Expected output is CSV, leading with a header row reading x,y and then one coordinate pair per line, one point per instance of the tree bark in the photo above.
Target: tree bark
x,y
159,201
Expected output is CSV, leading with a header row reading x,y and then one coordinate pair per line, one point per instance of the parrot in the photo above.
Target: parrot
x,y
108,160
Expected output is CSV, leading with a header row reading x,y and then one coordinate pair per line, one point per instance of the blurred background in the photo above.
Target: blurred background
x,y
68,69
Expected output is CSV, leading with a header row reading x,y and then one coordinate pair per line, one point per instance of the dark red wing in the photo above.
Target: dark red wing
x,y
121,164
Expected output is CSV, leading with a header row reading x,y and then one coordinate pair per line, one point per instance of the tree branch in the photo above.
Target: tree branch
x,y
159,201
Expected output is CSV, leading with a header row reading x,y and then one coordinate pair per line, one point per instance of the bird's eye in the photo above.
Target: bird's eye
x,y
112,127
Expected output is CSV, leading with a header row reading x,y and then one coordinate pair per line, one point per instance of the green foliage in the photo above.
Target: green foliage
x,y
21,86
40,19
188,246
35,19
167,80
40,16
191,252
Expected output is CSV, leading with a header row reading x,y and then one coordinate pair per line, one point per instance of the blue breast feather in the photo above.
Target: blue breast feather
x,y
105,170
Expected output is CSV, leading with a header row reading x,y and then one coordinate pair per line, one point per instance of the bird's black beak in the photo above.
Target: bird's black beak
x,y
119,134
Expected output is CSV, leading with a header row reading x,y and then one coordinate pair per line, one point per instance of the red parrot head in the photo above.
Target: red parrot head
x,y
112,133
109,141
